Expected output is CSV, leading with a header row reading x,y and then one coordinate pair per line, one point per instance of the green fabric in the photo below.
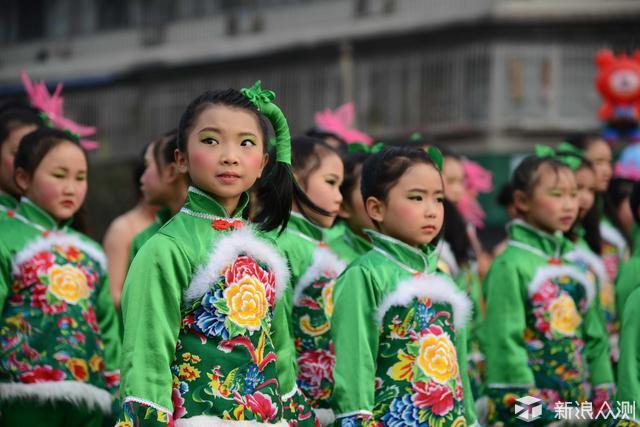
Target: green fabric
x,y
58,320
635,236
61,414
191,358
629,363
628,280
338,229
525,344
376,371
349,246
7,202
140,239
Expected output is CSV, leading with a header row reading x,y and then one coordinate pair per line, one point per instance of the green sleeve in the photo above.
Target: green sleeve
x,y
461,350
282,336
504,326
596,347
627,281
356,341
135,247
629,363
110,331
151,310
5,275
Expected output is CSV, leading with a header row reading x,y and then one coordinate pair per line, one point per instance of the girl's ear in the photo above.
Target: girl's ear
x,y
263,164
375,209
181,161
521,201
22,179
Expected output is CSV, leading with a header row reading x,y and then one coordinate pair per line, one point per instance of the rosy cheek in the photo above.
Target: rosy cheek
x,y
200,160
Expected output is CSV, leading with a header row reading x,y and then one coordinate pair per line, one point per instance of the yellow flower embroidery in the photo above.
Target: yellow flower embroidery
x,y
327,297
188,372
78,368
437,358
68,283
459,422
309,329
124,424
247,302
564,315
401,370
96,363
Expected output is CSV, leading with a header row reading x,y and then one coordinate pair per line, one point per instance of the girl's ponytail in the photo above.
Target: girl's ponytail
x,y
278,189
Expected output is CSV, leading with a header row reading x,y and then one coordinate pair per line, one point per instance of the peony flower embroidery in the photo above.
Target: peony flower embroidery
x,y
78,369
42,373
68,283
564,315
247,303
246,266
437,356
436,396
36,266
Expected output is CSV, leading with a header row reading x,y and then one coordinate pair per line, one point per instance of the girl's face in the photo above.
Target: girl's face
x,y
453,175
413,211
225,153
7,154
150,182
323,189
553,204
353,210
59,183
599,153
586,180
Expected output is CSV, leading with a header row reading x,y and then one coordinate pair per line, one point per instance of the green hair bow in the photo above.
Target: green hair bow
x,y
358,147
570,158
436,156
263,100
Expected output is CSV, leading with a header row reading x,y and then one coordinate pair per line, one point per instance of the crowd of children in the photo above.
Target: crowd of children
x,y
314,280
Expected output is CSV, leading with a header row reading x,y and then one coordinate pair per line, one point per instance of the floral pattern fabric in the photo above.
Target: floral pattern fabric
x,y
611,260
53,294
314,349
418,381
224,364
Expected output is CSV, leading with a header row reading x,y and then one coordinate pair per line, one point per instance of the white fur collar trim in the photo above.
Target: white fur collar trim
x,y
324,263
211,421
325,416
74,392
46,243
592,260
548,272
227,249
612,235
437,287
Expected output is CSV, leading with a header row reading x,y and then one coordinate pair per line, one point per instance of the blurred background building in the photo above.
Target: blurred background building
x,y
489,78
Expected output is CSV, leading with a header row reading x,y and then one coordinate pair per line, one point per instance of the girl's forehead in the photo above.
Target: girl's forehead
x,y
227,119
421,174
65,154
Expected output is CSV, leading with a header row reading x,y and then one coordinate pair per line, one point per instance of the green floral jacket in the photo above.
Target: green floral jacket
x,y
59,337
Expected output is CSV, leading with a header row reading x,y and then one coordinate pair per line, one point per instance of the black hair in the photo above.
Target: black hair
x,y
306,155
455,233
382,170
164,148
17,115
352,170
634,201
591,221
525,177
582,140
32,150
619,189
505,195
323,135
276,190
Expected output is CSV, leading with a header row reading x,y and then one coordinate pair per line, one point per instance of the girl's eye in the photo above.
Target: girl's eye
x,y
209,140
81,178
331,181
248,143
59,175
440,199
416,197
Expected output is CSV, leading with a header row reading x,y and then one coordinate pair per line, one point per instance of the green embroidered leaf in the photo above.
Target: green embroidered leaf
x,y
388,394
44,279
222,306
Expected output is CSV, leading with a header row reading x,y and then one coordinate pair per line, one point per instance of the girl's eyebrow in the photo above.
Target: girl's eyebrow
x,y
331,174
209,128
423,191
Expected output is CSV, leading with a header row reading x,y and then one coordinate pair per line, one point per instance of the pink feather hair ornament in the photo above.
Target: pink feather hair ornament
x,y
340,122
477,180
52,106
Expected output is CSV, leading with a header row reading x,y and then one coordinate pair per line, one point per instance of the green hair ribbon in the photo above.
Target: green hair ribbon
x,y
436,156
358,147
569,158
263,101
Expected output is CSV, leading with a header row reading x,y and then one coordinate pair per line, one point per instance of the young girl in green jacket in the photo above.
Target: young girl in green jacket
x,y
201,337
543,334
59,336
314,268
398,323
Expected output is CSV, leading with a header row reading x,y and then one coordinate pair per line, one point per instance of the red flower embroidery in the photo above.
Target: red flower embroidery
x,y
545,293
437,396
34,267
90,317
39,300
261,404
30,352
112,379
314,366
42,373
11,214
225,224
247,266
178,403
